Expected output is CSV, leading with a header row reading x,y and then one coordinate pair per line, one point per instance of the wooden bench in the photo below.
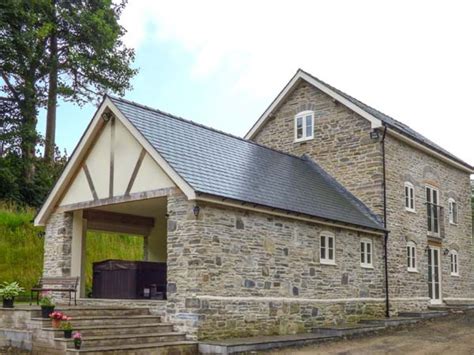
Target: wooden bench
x,y
56,284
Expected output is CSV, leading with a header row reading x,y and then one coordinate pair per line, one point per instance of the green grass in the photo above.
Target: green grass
x,y
21,248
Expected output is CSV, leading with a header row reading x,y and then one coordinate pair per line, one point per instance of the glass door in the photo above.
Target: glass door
x,y
434,275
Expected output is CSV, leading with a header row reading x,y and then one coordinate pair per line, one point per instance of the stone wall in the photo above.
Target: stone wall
x,y
341,144
57,245
405,163
238,273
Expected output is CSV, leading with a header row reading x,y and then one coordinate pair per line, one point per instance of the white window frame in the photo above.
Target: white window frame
x,y
454,263
306,135
325,236
365,260
453,211
412,261
410,198
433,189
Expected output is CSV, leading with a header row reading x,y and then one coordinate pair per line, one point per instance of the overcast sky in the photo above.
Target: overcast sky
x,y
221,63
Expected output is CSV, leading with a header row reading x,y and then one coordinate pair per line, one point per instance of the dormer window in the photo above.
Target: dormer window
x,y
304,126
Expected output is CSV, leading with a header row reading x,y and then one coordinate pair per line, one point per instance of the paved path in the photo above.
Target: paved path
x,y
452,336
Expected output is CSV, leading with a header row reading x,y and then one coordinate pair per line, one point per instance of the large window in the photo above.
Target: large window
x,y
453,211
409,197
454,263
432,209
411,256
366,253
304,126
327,248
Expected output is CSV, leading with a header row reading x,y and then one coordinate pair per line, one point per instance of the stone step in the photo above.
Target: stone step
x,y
105,320
347,329
423,314
256,344
98,311
125,339
164,348
390,322
97,330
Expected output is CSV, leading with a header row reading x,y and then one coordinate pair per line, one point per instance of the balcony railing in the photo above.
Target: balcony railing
x,y
435,220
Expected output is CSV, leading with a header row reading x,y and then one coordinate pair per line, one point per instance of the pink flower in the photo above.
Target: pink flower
x,y
77,336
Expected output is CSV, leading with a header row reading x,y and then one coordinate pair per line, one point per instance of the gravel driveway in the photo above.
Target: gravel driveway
x,y
452,335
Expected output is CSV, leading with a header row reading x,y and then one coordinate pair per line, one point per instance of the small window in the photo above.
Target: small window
x,y
366,253
411,256
453,211
327,249
454,263
304,126
409,197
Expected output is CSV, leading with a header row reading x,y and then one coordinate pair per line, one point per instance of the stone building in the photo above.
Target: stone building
x,y
278,232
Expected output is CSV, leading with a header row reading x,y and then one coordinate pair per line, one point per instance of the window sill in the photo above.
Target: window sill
x,y
303,140
366,266
410,210
455,275
324,262
453,224
413,271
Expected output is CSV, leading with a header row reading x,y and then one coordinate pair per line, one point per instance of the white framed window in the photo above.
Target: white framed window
x,y
409,197
327,249
454,263
432,208
411,256
304,126
453,211
366,253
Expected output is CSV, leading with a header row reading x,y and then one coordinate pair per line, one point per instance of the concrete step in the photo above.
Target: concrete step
x,y
125,339
105,320
80,311
423,314
347,329
178,348
259,343
97,330
390,322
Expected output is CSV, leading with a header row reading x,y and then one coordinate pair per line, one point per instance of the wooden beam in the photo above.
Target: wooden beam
x,y
118,222
120,218
136,196
135,171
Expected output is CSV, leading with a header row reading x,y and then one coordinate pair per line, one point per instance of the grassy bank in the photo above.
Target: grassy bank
x,y
21,248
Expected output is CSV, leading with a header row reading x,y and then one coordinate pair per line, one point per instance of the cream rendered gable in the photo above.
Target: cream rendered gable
x,y
116,162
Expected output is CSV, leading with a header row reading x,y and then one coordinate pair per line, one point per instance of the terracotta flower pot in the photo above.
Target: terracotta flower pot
x,y
55,323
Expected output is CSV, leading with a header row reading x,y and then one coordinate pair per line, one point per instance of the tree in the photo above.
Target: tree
x,y
86,56
23,37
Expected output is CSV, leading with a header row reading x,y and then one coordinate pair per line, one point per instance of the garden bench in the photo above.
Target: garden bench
x,y
56,284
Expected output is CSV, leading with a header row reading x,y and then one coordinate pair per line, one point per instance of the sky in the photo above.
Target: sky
x,y
221,63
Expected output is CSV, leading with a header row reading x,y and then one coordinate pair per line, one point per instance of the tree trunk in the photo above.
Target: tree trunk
x,y
52,101
28,134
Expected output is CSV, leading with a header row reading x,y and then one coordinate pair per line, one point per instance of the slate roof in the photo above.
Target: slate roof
x,y
394,124
219,164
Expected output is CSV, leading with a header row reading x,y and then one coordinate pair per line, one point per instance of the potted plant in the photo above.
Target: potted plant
x,y
56,318
66,326
77,338
47,305
9,291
